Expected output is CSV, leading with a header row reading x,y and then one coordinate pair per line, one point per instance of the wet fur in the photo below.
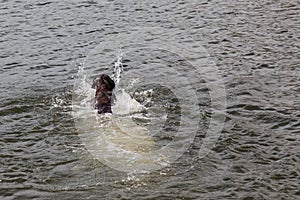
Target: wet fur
x,y
104,86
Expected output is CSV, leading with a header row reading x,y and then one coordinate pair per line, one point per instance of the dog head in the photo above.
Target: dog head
x,y
103,83
103,96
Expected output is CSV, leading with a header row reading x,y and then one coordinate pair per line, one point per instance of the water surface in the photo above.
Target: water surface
x,y
255,46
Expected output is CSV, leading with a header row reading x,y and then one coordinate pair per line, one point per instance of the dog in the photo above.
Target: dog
x,y
104,86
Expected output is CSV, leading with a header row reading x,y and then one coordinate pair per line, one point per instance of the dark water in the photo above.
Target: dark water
x,y
255,46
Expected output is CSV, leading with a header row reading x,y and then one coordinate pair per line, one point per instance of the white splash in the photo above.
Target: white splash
x,y
114,139
118,69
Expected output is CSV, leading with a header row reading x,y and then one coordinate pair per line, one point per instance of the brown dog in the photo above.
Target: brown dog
x,y
104,86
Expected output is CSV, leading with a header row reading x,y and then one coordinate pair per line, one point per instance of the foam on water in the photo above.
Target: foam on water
x,y
115,140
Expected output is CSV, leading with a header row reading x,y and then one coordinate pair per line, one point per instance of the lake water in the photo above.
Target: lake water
x,y
207,107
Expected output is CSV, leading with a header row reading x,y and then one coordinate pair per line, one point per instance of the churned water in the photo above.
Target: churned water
x,y
207,100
